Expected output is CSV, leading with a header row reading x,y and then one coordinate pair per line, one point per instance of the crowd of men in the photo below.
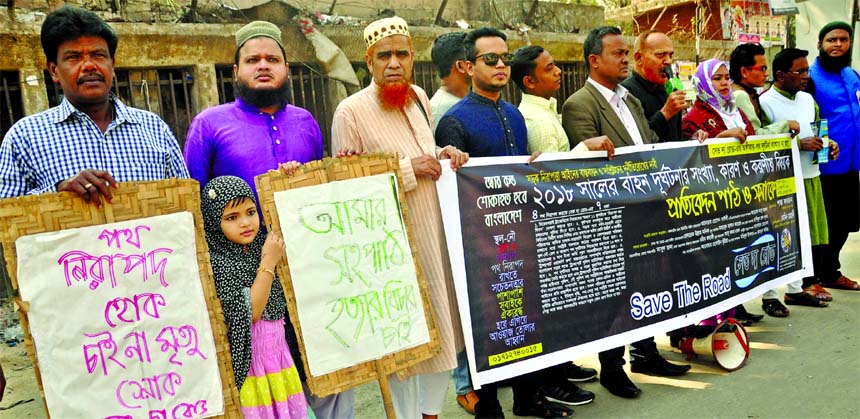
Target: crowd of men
x,y
92,141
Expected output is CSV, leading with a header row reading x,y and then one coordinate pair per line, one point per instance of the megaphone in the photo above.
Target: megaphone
x,y
728,345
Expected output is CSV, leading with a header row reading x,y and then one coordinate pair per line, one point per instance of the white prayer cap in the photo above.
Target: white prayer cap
x,y
382,28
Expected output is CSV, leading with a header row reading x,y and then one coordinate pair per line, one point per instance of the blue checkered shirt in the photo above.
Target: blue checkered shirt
x,y
41,150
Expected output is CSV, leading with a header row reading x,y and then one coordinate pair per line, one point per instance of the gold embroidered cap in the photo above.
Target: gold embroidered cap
x,y
382,28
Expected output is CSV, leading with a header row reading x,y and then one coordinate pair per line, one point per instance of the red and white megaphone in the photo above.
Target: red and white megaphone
x,y
728,345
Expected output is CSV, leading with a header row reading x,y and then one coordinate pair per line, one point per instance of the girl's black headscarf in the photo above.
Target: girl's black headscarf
x,y
235,267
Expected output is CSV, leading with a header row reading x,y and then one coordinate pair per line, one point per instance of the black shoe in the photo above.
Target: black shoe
x,y
578,374
675,341
657,365
539,406
619,384
489,410
566,392
746,318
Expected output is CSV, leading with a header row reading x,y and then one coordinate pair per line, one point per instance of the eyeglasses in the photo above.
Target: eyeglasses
x,y
763,68
801,73
491,58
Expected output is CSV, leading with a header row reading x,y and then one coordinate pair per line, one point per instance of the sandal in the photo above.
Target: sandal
x,y
774,308
468,401
843,283
539,406
803,299
817,291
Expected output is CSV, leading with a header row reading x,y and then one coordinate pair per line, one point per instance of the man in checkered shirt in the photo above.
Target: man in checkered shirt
x,y
91,140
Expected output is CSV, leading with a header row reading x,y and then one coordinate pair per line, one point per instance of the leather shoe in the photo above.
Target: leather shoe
x,y
619,384
743,316
489,410
657,365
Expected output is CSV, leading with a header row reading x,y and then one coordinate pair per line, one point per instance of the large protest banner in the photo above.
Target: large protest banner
x,y
566,257
355,292
118,303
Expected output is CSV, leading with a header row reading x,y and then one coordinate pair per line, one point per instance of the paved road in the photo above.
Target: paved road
x,y
804,366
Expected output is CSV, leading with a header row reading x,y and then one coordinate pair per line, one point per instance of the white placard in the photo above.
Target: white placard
x,y
119,320
352,271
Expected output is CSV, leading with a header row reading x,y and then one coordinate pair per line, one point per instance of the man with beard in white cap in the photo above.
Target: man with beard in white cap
x,y
392,115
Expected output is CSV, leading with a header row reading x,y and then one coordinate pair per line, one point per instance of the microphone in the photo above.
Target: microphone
x,y
673,83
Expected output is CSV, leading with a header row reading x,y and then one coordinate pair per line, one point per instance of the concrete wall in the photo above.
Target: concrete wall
x,y
202,46
677,21
548,16
419,11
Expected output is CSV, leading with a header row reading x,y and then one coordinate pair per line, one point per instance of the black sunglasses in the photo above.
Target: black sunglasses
x,y
491,58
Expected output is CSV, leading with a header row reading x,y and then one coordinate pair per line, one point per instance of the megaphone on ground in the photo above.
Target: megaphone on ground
x,y
728,345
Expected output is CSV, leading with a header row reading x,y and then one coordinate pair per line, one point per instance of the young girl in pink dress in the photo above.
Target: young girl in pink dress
x,y
243,263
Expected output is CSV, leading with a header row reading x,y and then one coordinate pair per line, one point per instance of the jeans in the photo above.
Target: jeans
x,y
462,383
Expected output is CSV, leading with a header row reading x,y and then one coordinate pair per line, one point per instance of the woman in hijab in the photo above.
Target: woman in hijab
x,y
715,111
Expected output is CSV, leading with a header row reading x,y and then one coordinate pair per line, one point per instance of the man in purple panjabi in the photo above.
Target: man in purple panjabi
x,y
260,130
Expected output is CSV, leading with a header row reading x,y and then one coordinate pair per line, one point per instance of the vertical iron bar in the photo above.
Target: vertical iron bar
x,y
293,84
173,100
188,102
8,102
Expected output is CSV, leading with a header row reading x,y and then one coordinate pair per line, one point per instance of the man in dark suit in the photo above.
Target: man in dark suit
x,y
604,107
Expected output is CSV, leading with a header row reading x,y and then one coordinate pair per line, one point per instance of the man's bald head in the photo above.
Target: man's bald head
x,y
652,53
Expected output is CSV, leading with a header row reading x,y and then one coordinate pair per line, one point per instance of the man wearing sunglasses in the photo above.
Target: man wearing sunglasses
x,y
787,99
484,125
748,70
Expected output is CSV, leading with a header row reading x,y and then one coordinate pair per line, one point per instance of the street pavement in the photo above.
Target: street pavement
x,y
804,366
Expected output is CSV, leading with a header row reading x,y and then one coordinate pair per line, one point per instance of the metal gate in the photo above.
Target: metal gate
x,y
307,90
11,105
11,110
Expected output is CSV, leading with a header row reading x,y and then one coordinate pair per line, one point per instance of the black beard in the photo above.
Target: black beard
x,y
834,64
263,98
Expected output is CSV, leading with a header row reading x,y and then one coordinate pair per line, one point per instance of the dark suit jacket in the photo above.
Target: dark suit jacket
x,y
587,114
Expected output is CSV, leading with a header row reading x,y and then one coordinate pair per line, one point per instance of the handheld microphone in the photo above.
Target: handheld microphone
x,y
673,83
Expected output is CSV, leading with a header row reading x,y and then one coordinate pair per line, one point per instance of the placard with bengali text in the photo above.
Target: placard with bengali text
x,y
566,257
